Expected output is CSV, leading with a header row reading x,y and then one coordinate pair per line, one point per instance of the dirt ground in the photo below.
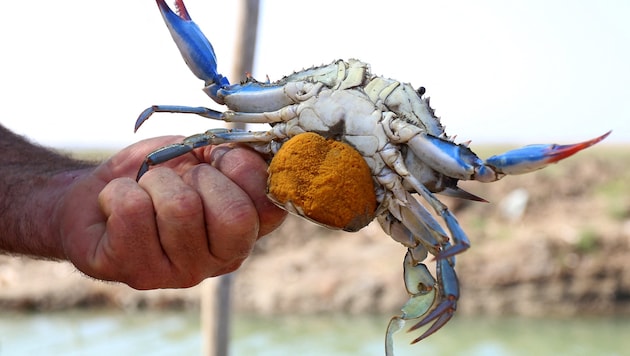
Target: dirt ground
x,y
556,242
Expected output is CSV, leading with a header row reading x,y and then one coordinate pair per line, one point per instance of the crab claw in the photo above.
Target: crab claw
x,y
192,43
442,314
534,157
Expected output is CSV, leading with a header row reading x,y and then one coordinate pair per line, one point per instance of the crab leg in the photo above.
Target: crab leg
x,y
285,114
210,137
444,304
459,162
460,240
199,110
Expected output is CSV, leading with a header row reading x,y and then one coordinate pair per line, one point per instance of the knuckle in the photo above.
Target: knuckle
x,y
133,204
183,204
240,217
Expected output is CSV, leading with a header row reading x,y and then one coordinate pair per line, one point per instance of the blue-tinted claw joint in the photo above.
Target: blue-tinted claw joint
x,y
534,157
193,45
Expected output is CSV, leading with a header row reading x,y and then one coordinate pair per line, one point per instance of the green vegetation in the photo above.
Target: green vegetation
x,y
587,241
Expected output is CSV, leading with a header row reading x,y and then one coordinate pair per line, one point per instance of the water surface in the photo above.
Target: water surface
x,y
178,333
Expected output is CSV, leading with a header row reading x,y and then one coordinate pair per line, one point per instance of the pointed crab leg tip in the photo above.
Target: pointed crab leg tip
x,y
137,124
560,152
457,192
144,116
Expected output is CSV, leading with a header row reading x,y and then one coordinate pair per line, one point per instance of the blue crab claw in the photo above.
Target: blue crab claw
x,y
534,157
460,163
447,306
433,305
192,43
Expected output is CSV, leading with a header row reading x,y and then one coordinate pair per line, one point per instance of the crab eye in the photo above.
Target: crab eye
x,y
421,91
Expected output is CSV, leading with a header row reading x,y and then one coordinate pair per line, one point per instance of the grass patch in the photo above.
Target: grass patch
x,y
587,242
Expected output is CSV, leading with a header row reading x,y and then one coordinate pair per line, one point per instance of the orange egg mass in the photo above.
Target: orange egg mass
x,y
328,180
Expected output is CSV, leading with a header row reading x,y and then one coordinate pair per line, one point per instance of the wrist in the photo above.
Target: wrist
x,y
55,213
33,183
31,213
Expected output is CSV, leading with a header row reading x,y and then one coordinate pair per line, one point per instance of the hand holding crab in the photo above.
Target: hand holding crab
x,y
398,146
199,217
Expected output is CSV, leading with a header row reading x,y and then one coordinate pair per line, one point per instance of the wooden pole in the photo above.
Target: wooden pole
x,y
216,292
215,315
246,39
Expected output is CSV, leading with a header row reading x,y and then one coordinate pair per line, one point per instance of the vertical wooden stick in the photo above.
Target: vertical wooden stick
x,y
216,292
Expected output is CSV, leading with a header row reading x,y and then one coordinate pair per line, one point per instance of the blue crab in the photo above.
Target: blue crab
x,y
394,129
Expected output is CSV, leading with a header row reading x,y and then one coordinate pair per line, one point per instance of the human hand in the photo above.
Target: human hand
x,y
184,221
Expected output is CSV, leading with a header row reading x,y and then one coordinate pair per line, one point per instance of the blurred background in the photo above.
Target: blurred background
x,y
549,269
77,73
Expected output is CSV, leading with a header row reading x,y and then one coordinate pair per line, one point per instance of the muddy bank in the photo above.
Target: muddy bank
x,y
556,242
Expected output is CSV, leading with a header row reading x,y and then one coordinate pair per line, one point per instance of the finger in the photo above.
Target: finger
x,y
248,170
127,162
231,217
129,250
179,216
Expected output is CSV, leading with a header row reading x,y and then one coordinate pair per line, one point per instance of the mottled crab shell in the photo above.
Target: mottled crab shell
x,y
326,181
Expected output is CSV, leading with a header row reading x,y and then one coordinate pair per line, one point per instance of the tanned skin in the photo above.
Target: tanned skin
x,y
194,217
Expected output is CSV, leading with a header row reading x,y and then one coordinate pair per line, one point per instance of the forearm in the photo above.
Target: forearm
x,y
33,180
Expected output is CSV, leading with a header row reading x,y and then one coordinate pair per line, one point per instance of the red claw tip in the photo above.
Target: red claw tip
x,y
560,152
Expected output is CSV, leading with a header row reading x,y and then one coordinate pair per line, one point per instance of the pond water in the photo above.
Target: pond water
x,y
178,333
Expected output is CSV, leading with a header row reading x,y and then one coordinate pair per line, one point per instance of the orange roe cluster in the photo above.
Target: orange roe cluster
x,y
327,179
